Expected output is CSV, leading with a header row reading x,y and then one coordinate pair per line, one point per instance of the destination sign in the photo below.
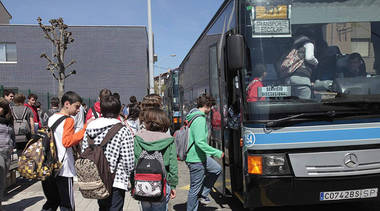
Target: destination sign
x,y
271,26
271,21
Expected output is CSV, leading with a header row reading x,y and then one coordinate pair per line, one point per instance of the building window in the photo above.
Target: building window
x,y
8,52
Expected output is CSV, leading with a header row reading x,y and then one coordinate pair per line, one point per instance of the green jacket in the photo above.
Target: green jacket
x,y
157,141
199,133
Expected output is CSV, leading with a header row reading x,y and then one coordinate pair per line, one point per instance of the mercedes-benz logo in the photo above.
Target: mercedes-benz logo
x,y
351,160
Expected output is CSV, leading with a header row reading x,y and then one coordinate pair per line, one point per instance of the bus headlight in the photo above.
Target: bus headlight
x,y
268,165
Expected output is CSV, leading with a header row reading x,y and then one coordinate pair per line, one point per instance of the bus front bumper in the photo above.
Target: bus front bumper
x,y
283,191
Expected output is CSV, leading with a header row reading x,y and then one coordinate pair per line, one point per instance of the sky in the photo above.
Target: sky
x,y
176,24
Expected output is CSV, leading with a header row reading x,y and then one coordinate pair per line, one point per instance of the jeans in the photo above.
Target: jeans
x,y
115,202
202,178
157,206
5,161
302,92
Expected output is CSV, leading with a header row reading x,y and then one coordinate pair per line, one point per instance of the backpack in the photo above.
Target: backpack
x,y
95,179
181,138
149,179
21,125
39,159
294,60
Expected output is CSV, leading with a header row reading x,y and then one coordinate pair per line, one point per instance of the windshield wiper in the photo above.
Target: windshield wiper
x,y
275,123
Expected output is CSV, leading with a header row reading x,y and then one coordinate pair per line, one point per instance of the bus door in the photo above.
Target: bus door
x,y
216,114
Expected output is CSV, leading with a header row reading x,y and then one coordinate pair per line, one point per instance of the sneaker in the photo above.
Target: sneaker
x,y
204,200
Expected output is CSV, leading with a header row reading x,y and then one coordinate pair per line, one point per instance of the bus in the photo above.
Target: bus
x,y
172,100
288,138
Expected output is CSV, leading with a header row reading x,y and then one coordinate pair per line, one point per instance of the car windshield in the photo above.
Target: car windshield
x,y
311,56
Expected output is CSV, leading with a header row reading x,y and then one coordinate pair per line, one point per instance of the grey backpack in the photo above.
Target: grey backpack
x,y
181,138
20,124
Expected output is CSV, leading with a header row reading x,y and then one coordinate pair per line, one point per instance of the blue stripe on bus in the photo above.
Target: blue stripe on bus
x,y
318,136
320,123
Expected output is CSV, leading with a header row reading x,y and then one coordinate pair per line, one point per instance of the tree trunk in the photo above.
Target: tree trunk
x,y
61,88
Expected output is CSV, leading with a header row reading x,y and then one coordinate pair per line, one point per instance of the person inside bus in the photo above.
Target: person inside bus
x,y
352,65
259,73
301,77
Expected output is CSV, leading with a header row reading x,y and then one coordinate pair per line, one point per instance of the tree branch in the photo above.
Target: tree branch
x,y
45,29
71,73
71,63
55,76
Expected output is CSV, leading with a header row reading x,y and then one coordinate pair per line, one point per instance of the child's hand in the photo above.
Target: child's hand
x,y
172,194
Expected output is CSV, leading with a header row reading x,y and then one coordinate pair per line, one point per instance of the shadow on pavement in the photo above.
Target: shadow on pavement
x,y
226,202
20,185
22,204
182,207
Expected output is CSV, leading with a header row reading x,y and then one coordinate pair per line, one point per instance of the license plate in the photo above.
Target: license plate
x,y
349,194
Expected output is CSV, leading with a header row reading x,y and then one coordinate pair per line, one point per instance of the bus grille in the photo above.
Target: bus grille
x,y
337,163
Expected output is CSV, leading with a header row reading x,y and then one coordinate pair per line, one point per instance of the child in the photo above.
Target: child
x,y
118,151
155,138
58,189
252,88
7,140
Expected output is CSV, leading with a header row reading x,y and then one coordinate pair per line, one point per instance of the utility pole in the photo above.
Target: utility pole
x,y
150,39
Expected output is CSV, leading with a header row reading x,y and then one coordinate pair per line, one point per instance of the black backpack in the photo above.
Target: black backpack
x,y
149,178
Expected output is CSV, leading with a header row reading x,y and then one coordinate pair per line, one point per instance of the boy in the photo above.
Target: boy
x,y
118,151
204,171
59,190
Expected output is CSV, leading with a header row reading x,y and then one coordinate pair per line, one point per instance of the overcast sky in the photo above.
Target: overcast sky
x,y
176,23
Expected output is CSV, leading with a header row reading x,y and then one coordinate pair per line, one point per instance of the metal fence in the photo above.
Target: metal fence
x,y
43,97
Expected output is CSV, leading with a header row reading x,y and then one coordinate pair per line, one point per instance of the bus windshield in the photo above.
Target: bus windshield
x,y
311,57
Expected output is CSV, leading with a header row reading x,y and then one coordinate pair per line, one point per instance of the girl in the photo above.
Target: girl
x,y
155,138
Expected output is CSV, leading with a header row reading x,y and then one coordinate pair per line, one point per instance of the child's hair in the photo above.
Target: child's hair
x,y
7,92
19,99
7,111
150,101
205,100
110,106
116,94
54,102
70,96
156,119
259,70
103,93
31,95
134,111
132,99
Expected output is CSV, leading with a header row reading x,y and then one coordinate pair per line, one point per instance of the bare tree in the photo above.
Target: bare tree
x,y
56,33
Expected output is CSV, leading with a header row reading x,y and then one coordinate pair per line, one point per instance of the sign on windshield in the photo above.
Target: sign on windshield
x,y
270,21
274,91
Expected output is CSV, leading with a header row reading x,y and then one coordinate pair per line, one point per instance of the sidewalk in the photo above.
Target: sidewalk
x,y
28,196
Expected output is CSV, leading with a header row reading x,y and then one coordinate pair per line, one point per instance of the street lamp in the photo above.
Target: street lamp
x,y
150,39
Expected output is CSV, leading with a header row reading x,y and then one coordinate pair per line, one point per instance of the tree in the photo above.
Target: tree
x,y
60,38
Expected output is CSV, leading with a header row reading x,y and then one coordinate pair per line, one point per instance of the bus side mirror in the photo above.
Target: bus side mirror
x,y
235,51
